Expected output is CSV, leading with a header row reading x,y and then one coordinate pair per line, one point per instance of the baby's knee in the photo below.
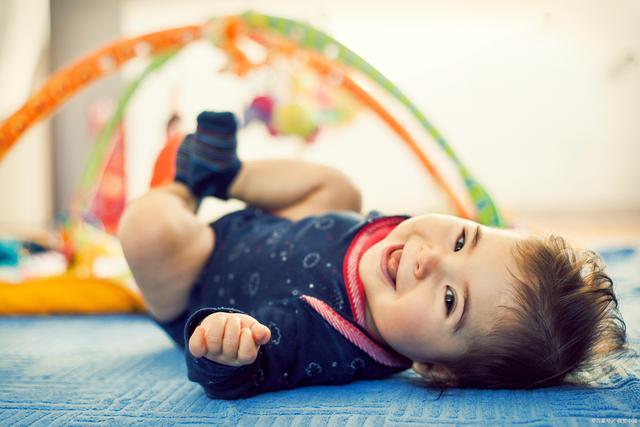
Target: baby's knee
x,y
144,229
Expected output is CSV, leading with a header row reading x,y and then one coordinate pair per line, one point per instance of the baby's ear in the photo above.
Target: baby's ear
x,y
434,372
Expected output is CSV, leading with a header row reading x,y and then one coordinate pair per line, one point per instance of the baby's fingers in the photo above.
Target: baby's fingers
x,y
248,350
197,342
231,340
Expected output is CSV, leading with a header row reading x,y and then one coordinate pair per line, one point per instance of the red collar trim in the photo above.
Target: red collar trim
x,y
368,236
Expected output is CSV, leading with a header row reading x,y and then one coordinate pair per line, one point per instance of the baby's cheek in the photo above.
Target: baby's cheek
x,y
403,328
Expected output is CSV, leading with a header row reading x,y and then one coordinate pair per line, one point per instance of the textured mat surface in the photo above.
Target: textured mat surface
x,y
123,370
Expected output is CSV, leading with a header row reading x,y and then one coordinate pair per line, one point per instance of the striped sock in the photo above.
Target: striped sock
x,y
207,161
183,160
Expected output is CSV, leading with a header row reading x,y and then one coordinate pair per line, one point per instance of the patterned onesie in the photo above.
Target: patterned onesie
x,y
301,280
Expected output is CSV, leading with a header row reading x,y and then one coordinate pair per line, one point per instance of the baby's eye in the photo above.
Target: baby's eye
x,y
460,242
449,300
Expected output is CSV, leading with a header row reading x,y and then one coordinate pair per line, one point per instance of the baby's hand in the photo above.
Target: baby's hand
x,y
229,338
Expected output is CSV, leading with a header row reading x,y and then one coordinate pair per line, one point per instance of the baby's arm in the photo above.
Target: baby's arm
x,y
294,189
207,163
303,349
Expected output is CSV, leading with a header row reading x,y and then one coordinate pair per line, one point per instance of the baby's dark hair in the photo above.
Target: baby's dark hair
x,y
564,318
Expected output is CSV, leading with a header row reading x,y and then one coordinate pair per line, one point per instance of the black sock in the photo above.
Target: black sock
x,y
207,161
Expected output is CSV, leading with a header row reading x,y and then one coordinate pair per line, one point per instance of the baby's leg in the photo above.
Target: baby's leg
x,y
165,247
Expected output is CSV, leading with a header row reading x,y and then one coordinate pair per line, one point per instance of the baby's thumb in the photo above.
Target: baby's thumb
x,y
261,334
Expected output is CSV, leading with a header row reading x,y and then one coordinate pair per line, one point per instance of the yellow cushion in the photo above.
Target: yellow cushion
x,y
68,294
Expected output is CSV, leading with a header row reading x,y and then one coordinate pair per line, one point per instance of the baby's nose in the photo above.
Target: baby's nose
x,y
426,262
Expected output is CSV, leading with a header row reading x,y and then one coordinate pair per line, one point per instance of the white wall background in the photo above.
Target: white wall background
x,y
540,99
26,173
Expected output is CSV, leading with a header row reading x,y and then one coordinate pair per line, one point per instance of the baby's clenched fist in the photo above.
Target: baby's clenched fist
x,y
229,338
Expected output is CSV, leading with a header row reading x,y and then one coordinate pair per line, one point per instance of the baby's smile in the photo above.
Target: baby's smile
x,y
390,262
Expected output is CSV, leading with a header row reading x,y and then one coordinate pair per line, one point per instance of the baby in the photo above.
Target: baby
x,y
300,288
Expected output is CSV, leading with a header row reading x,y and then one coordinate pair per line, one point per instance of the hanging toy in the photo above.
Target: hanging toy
x,y
295,119
261,109
281,38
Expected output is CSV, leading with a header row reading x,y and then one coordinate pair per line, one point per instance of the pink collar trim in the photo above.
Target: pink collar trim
x,y
368,236
356,336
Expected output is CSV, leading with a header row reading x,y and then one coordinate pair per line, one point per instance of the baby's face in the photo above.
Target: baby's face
x,y
435,282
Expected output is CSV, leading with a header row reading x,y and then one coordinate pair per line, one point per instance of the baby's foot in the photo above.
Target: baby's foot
x,y
183,160
207,161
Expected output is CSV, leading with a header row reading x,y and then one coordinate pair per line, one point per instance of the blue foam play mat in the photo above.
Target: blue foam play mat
x,y
123,370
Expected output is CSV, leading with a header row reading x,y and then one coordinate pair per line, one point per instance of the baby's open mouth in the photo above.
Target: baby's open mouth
x,y
391,262
394,263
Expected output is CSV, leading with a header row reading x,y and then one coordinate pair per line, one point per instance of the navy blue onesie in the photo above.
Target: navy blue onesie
x,y
300,279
